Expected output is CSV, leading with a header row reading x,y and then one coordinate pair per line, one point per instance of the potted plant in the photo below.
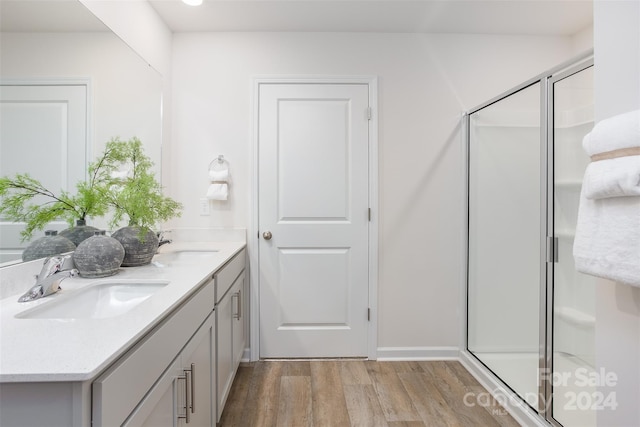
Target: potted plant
x,y
135,195
21,200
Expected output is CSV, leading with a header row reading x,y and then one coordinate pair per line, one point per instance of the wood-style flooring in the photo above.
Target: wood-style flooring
x,y
347,393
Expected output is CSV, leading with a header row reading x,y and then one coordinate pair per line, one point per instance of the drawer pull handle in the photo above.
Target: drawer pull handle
x,y
187,393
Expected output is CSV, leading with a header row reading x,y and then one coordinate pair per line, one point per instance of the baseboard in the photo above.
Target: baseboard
x,y
246,355
417,353
519,410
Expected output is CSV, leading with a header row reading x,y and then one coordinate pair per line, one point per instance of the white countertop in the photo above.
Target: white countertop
x,y
34,350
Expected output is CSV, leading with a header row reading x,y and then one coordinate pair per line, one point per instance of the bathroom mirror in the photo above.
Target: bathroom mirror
x,y
59,47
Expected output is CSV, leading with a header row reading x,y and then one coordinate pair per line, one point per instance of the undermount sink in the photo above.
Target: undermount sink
x,y
189,255
96,301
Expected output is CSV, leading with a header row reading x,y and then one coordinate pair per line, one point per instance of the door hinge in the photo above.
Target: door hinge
x,y
369,113
368,314
369,214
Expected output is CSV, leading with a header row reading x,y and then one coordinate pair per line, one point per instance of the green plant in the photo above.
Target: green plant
x,y
21,198
136,196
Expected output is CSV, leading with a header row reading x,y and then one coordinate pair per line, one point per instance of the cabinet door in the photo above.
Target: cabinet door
x,y
164,414
238,324
185,386
197,362
224,348
159,407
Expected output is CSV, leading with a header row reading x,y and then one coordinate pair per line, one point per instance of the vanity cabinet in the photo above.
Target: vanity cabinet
x,y
172,368
230,325
182,395
170,364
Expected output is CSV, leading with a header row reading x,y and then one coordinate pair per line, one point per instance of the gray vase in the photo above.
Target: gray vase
x,y
98,256
49,245
137,251
80,232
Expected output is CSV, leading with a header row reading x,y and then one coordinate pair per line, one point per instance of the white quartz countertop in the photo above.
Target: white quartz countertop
x,y
78,349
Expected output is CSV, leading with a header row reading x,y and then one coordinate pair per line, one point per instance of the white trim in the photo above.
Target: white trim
x,y
252,244
519,410
418,353
464,138
246,355
375,214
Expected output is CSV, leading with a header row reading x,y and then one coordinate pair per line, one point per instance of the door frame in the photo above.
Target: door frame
x,y
252,232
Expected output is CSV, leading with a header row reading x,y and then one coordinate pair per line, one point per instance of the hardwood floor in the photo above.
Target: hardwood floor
x,y
347,393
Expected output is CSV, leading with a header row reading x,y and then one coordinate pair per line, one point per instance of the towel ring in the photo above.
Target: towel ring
x,y
219,164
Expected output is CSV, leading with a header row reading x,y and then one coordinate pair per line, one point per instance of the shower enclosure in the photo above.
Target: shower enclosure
x,y
530,315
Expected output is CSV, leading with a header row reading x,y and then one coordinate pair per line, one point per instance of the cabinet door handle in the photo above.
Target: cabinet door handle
x,y
193,387
189,396
187,392
238,312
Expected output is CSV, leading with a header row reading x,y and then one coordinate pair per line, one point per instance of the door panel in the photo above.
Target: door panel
x,y
316,150
326,287
504,239
33,116
313,184
574,305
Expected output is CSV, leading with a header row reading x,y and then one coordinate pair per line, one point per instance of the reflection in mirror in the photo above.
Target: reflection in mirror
x,y
67,86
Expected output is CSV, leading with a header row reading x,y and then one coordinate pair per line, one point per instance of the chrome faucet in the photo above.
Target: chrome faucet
x,y
55,270
162,240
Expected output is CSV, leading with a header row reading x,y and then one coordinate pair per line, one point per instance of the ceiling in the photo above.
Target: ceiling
x,y
530,17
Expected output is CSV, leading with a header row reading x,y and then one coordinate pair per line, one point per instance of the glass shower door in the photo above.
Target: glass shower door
x,y
504,259
573,293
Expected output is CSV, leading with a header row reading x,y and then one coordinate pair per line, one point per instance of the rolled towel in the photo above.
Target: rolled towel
x,y
612,178
218,191
621,131
221,175
120,174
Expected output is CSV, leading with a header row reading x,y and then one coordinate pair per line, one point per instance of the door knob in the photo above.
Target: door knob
x,y
267,235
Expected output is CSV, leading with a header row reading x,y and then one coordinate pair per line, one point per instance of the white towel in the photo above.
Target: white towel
x,y
222,175
612,178
607,242
122,174
621,131
218,191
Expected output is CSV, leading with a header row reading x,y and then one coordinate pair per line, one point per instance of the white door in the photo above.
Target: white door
x,y
313,148
46,124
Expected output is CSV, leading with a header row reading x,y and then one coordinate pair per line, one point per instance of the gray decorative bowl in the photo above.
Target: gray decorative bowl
x,y
79,233
137,251
49,245
98,256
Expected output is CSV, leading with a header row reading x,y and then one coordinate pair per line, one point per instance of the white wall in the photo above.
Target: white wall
x,y
617,90
582,41
425,83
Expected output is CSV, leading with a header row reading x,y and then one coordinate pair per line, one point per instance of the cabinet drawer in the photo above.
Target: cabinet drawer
x,y
225,277
117,392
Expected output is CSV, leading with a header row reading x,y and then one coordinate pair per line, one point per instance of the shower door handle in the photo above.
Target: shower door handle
x,y
552,249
